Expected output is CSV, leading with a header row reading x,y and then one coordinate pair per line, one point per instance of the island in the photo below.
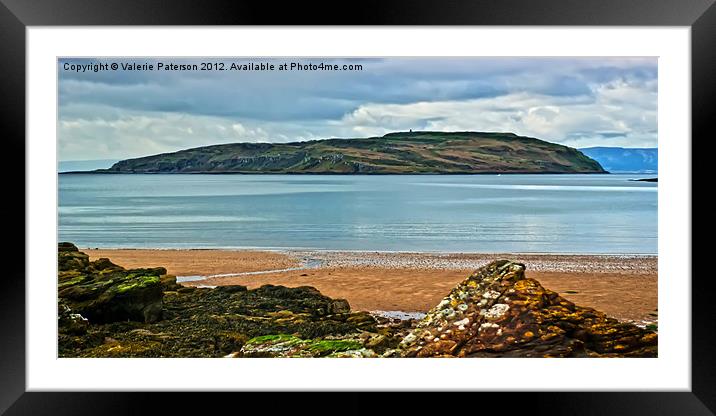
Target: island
x,y
423,152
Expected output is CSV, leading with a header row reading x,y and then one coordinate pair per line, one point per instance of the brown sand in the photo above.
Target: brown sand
x,y
623,294
197,262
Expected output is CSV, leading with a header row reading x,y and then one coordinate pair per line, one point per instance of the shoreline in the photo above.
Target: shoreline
x,y
494,173
326,250
213,263
624,287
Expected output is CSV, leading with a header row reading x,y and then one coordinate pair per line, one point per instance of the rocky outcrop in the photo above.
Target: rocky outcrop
x,y
70,258
105,310
498,312
102,292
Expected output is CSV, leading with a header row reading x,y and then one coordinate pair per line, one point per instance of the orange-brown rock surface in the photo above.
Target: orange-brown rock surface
x,y
498,312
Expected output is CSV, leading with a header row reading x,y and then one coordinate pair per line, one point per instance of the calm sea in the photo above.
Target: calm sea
x,y
449,213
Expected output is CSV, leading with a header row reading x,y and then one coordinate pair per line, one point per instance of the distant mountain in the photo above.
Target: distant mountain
x,y
80,165
621,159
394,153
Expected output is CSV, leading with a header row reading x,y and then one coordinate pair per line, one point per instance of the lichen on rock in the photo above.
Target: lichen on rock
x,y
105,310
498,312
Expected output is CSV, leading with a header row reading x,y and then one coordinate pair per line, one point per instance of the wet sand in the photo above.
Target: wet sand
x,y
197,262
624,287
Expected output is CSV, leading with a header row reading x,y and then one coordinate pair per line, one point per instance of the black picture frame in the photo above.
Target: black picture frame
x,y
16,15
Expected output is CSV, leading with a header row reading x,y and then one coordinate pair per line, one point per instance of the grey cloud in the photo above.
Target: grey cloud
x,y
117,114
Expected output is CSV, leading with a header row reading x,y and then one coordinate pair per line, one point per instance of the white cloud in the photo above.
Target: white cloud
x,y
620,114
128,134
579,102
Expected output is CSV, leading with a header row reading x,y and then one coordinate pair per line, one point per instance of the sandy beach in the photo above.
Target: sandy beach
x,y
623,286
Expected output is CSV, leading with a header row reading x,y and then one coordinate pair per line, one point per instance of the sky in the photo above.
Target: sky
x,y
578,102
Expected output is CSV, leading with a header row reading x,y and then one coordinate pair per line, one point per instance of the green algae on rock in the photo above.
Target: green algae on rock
x,y
101,291
105,310
218,322
284,345
498,312
195,322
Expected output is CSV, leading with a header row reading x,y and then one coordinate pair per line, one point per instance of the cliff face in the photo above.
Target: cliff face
x,y
395,153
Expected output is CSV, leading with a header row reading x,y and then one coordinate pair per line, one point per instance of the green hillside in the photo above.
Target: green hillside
x,y
394,153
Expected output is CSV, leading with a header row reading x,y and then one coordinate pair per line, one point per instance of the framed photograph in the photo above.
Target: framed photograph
x,y
449,201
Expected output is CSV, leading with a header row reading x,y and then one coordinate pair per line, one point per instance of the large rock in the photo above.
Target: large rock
x,y
105,310
305,299
498,312
102,292
274,321
70,258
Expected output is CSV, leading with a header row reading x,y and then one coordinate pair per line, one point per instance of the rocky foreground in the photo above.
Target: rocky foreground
x,y
105,310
